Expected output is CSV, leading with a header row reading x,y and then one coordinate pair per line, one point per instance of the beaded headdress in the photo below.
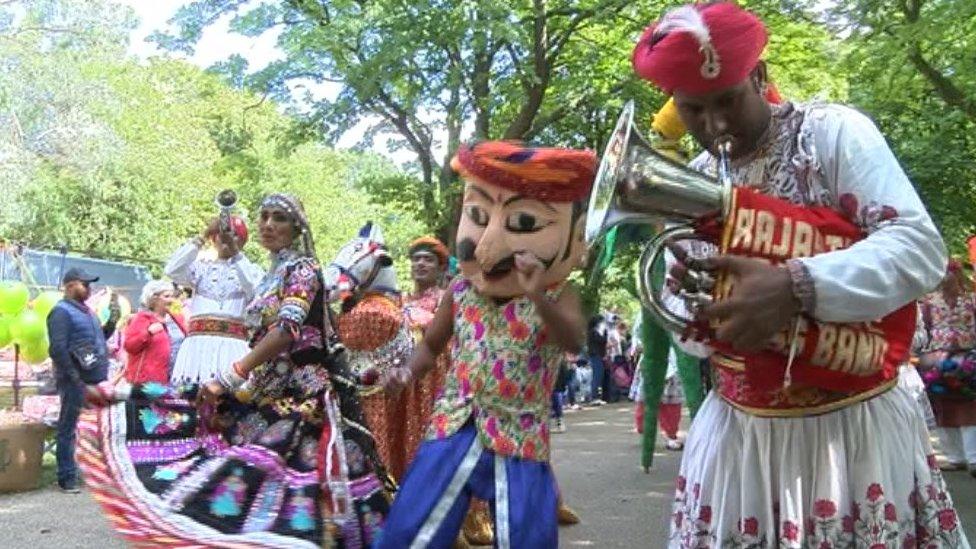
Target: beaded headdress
x,y
292,206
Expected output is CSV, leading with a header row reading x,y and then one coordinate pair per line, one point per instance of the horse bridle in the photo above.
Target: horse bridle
x,y
361,285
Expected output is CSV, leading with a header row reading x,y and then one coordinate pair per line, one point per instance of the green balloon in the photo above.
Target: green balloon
x,y
5,337
45,302
36,352
27,328
13,297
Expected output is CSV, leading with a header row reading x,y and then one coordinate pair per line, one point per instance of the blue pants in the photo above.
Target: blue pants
x,y
572,389
72,397
430,507
596,362
557,405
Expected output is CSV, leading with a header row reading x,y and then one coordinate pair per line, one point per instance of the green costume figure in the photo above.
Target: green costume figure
x,y
654,366
656,342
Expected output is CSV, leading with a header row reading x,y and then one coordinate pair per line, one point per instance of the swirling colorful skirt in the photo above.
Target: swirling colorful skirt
x,y
285,473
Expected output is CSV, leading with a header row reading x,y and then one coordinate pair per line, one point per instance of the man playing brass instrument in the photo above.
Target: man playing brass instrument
x,y
806,440
222,288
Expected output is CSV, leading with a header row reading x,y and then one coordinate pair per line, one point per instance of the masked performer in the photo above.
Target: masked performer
x,y
511,316
807,440
221,290
286,463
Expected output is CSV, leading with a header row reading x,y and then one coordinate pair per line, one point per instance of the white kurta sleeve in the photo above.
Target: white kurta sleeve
x,y
248,273
903,256
181,267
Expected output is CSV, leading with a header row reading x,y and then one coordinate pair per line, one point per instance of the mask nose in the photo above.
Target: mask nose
x,y
493,246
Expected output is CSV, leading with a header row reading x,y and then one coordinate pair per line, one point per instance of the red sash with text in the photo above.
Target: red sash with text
x,y
834,362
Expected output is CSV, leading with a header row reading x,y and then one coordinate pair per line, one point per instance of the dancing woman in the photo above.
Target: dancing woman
x,y
285,463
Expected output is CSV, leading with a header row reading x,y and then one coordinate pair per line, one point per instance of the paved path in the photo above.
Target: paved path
x,y
596,462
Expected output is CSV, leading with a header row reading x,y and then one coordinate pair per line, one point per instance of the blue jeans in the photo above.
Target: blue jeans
x,y
572,388
72,397
596,362
584,383
557,405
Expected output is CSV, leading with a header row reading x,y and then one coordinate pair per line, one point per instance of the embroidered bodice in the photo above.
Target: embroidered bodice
x,y
283,299
420,308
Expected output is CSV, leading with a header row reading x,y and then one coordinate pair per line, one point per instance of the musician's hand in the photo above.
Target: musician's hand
x,y
156,327
761,305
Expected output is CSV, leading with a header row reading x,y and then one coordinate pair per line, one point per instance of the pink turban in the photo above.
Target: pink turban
x,y
700,48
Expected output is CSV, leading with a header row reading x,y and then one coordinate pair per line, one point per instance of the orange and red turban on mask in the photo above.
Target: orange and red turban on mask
x,y
544,173
700,48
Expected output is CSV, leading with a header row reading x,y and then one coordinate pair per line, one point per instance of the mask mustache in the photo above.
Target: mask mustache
x,y
502,267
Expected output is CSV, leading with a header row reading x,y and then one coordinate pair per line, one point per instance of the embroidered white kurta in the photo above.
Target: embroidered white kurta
x,y
221,288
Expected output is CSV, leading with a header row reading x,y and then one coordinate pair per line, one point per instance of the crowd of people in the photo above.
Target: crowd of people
x,y
287,408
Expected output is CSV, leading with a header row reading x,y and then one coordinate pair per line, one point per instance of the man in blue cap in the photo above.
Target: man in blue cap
x,y
77,348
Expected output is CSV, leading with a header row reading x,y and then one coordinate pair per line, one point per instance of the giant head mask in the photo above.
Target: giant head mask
x,y
520,199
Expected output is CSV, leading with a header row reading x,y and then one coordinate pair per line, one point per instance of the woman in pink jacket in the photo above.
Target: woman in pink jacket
x,y
153,336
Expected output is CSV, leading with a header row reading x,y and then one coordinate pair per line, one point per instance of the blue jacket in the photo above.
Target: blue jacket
x,y
69,324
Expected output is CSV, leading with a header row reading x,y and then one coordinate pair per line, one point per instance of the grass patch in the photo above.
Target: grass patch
x,y
49,469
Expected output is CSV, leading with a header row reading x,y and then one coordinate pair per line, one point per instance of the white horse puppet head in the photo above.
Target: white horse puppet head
x,y
363,265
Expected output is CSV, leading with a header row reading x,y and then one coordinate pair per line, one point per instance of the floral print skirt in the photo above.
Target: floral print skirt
x,y
282,473
863,476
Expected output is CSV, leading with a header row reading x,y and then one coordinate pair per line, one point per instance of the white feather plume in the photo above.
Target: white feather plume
x,y
685,19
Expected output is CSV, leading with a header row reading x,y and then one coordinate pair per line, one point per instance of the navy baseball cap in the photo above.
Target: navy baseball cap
x,y
76,273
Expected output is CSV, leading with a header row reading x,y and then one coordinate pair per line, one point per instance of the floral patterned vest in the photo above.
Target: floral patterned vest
x,y
502,375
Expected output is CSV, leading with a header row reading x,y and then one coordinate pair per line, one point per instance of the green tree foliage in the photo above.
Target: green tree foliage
x,y
912,68
434,73
126,158
437,73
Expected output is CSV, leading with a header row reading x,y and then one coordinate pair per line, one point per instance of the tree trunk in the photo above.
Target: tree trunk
x,y
945,88
536,89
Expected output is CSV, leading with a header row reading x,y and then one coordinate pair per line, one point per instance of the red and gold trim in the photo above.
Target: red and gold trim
x,y
216,326
836,358
796,400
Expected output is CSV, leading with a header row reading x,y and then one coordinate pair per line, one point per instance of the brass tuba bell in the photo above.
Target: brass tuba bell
x,y
637,185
